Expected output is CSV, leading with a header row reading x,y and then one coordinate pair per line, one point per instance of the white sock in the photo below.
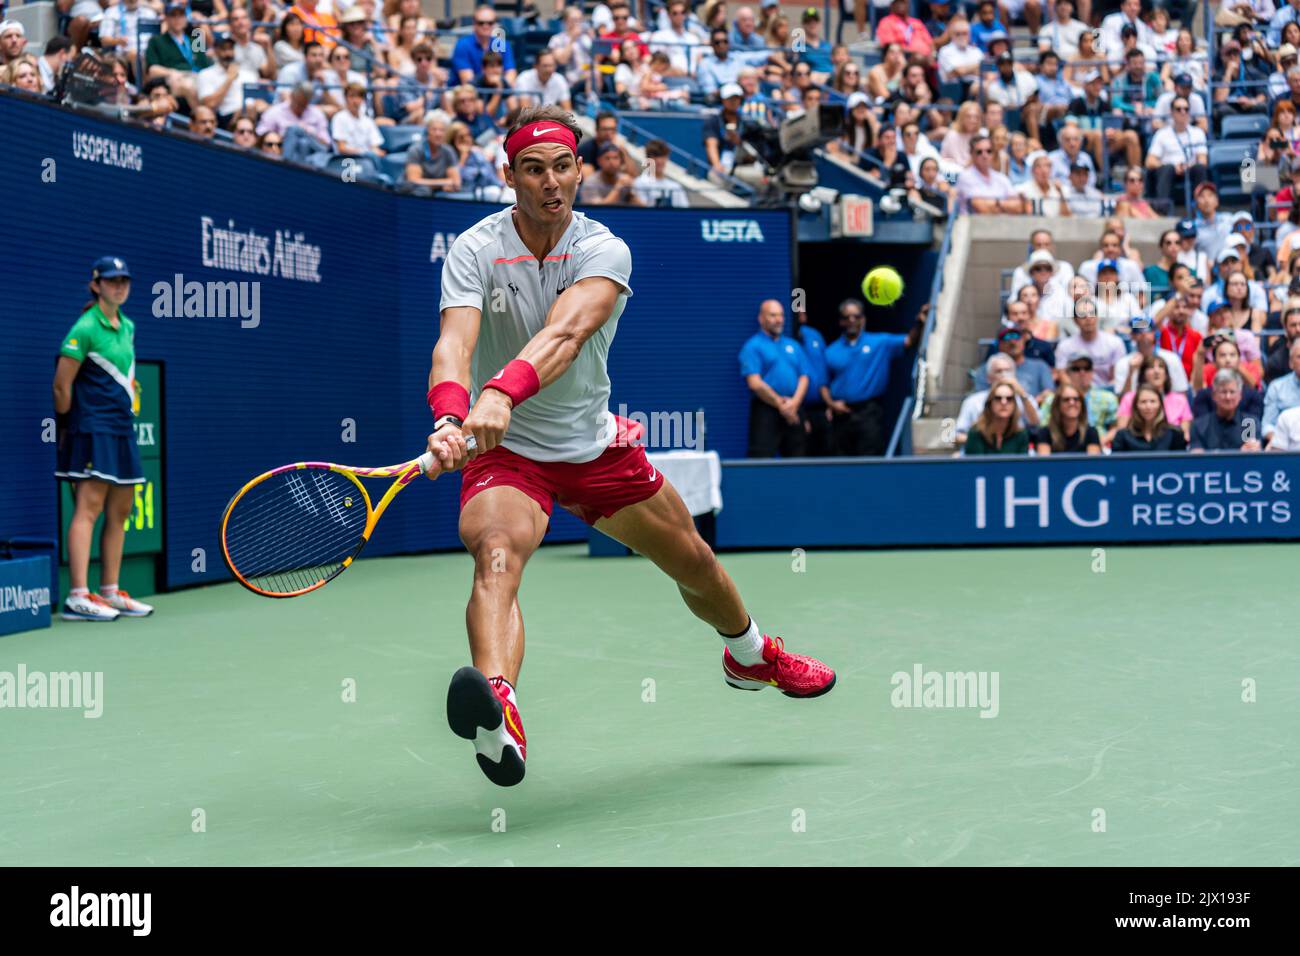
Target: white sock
x,y
79,592
107,590
746,648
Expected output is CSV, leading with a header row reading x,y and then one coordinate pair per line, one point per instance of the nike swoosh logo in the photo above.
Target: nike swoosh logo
x,y
653,474
539,132
483,483
500,374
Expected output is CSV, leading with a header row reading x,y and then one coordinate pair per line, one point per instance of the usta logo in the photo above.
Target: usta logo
x,y
730,230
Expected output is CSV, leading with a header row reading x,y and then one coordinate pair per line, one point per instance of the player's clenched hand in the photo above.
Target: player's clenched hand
x,y
488,420
448,447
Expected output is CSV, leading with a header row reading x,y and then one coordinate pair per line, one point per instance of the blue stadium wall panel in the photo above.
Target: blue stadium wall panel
x,y
342,342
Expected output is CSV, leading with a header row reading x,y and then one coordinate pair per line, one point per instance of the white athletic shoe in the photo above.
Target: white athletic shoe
x,y
126,605
88,607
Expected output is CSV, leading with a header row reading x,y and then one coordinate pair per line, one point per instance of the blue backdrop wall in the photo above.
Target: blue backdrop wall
x,y
348,283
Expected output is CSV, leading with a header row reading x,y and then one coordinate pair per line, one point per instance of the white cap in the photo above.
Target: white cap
x,y
858,99
10,25
731,89
1042,255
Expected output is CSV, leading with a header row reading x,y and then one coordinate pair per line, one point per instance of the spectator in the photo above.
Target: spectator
x,y
203,123
654,187
957,141
431,162
1162,115
1127,369
58,52
1286,13
1062,34
621,29
893,170
492,85
1082,199
244,131
312,68
339,72
572,48
1224,350
1147,429
302,125
354,131
1040,240
606,132
1067,428
544,82
679,40
999,368
1189,254
1103,348
997,431
1219,323
1212,226
1247,300
1016,89
355,24
272,143
986,26
1256,260
630,72
478,175
1069,154
1084,62
23,74
817,417
959,59
1033,373
1134,95
610,185
931,188
776,370
1282,393
983,190
858,365
916,148
1227,355
160,103
1278,361
467,57
940,22
1186,60
1116,306
171,56
1054,94
1113,25
401,55
1278,141
1153,371
13,41
1178,152
1019,316
290,39
724,130
1157,275
744,32
318,25
399,10
885,78
719,68
1227,428
907,31
1242,89
816,51
220,87
1040,325
1277,84
1178,336
119,31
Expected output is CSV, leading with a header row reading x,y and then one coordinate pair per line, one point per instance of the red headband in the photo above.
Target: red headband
x,y
534,133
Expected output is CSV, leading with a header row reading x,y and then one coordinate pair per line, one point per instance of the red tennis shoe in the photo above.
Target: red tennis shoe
x,y
480,710
794,675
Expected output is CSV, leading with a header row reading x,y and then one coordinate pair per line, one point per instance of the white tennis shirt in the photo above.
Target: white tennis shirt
x,y
489,268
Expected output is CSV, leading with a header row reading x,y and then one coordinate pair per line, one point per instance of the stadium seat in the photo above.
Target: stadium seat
x,y
365,168
394,167
1225,168
1244,126
399,138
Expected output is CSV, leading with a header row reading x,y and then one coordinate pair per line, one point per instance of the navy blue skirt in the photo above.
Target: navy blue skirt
x,y
111,458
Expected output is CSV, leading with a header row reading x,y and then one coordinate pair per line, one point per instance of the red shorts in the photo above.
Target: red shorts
x,y
595,489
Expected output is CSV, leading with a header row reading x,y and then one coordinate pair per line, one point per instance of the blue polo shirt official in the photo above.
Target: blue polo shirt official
x,y
860,370
779,362
814,350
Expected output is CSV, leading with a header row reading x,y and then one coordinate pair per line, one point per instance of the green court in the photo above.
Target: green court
x,y
1121,735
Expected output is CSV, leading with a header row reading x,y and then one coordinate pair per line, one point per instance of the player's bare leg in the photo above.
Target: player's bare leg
x,y
661,529
501,528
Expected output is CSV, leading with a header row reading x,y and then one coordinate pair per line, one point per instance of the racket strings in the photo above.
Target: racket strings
x,y
295,529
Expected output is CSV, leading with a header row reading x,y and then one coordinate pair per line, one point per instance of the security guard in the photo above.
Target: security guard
x,y
776,370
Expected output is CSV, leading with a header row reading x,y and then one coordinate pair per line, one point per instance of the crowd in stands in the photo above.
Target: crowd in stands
x,y
1117,356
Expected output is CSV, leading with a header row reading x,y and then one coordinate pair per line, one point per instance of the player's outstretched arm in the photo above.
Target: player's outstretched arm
x,y
457,337
575,317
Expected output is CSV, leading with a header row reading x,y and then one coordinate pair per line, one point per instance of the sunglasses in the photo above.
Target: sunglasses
x,y
1081,368
484,23
272,144
983,152
1180,109
1004,398
245,131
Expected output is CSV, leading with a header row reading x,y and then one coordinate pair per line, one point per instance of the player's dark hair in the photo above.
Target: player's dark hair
x,y
546,114
306,47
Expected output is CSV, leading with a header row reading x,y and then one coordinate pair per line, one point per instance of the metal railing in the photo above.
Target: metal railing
x,y
919,363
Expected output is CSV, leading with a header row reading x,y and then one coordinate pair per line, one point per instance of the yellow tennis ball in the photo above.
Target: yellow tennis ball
x,y
882,286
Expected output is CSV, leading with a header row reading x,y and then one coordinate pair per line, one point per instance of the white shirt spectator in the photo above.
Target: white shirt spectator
x,y
250,56
1085,202
1177,376
1117,312
1013,95
952,58
357,132
1059,282
924,150
682,48
1062,37
119,22
1049,202
1197,261
1105,350
660,192
1112,25
209,80
1286,432
554,92
1170,147
1194,66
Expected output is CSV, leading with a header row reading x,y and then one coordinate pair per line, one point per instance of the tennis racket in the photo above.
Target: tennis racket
x,y
296,528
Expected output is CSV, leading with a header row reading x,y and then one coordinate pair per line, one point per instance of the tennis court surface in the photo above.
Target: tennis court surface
x,y
1119,705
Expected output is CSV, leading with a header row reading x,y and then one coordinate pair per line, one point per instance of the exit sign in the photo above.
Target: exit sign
x,y
856,216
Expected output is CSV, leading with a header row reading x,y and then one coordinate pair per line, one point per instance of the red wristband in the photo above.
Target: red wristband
x,y
449,398
518,380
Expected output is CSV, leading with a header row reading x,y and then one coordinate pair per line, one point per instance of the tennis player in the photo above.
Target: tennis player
x,y
531,298
94,395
